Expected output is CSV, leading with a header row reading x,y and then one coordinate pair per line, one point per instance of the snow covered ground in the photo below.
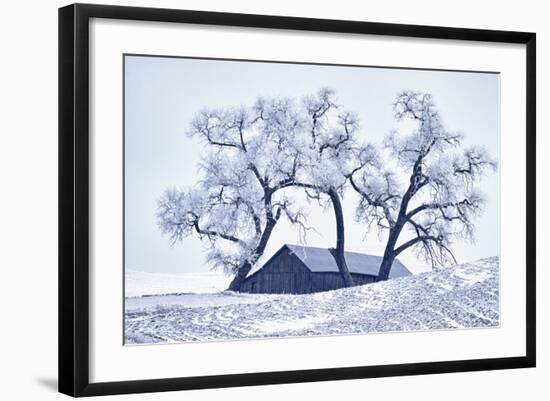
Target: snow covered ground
x,y
138,283
464,296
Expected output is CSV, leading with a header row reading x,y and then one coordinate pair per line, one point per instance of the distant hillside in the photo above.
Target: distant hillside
x,y
464,296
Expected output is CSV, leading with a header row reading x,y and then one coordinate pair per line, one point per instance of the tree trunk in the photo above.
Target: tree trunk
x,y
338,252
389,255
395,231
245,268
237,281
385,267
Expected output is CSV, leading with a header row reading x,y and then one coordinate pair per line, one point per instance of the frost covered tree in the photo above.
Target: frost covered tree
x,y
434,198
253,157
330,138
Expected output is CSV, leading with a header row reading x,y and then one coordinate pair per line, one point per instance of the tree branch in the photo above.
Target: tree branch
x,y
415,241
211,233
435,206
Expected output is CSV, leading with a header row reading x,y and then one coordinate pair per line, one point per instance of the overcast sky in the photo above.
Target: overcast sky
x,y
163,94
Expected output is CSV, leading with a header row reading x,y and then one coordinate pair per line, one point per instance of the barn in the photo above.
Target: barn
x,y
296,269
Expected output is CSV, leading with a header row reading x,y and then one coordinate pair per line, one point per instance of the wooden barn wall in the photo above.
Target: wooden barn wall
x,y
333,281
286,274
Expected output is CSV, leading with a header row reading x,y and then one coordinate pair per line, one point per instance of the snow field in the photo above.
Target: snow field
x,y
463,296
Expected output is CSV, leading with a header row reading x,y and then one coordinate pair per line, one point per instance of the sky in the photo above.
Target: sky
x,y
162,94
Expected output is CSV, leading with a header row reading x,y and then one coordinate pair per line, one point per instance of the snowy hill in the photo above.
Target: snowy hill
x,y
464,296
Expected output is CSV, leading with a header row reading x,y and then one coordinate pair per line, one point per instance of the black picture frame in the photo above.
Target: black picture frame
x,y
74,198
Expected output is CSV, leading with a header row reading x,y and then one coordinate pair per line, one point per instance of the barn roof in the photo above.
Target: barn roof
x,y
320,260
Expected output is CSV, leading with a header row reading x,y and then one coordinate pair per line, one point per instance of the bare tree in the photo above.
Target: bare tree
x,y
438,200
253,156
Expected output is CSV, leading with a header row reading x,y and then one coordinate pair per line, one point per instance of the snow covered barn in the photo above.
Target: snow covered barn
x,y
296,269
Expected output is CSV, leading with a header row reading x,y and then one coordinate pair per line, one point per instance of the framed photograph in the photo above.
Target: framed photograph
x,y
250,199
